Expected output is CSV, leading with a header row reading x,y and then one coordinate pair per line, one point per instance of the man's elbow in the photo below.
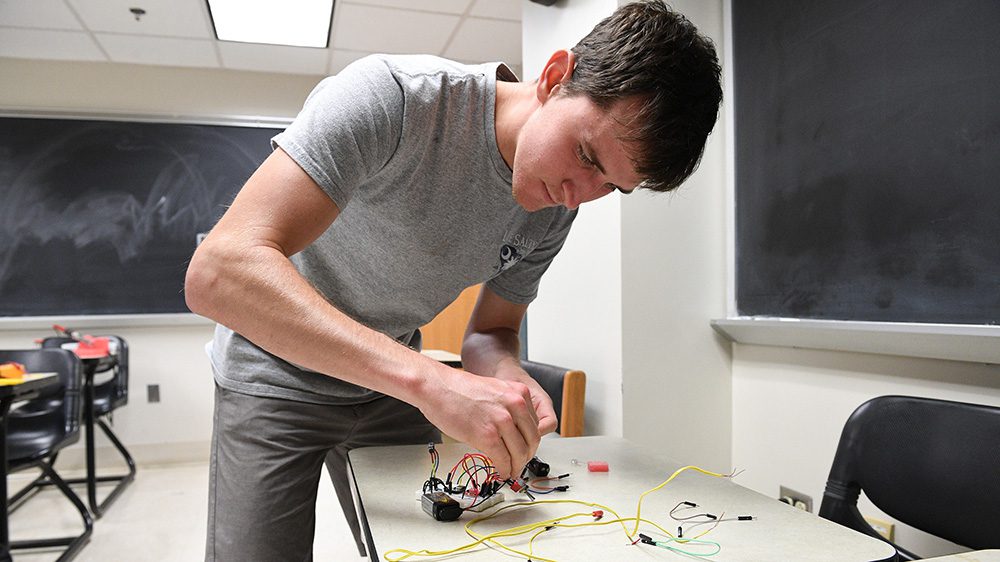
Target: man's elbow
x,y
201,283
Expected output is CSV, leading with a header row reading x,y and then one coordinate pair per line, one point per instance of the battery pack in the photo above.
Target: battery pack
x,y
441,506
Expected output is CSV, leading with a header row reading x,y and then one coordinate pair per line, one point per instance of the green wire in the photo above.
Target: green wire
x,y
663,544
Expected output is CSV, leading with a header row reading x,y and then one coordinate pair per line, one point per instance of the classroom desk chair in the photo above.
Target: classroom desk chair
x,y
38,430
567,389
932,464
107,396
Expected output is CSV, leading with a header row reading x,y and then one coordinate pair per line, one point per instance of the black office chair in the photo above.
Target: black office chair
x,y
567,388
932,464
109,395
43,426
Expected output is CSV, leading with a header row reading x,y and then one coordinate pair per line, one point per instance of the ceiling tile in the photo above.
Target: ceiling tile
x,y
41,14
504,43
49,44
445,6
170,51
176,18
170,31
339,59
273,58
385,30
502,9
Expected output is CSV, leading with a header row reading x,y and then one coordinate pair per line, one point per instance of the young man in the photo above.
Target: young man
x,y
404,180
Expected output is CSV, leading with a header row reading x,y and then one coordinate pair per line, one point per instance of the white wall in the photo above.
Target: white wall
x,y
790,405
677,370
178,428
577,319
629,298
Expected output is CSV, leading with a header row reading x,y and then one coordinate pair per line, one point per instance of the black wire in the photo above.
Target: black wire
x,y
709,516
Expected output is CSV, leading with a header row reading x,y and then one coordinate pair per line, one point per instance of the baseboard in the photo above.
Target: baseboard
x,y
149,454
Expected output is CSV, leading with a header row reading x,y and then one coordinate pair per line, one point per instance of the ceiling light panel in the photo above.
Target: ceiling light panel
x,y
297,23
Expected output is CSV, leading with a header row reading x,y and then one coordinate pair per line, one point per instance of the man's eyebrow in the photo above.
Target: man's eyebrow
x,y
593,158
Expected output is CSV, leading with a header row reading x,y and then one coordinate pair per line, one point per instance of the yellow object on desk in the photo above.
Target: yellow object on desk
x,y
27,377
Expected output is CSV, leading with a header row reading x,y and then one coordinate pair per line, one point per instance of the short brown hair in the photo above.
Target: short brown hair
x,y
647,52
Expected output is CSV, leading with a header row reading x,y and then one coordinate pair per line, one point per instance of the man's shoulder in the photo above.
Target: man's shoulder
x,y
423,66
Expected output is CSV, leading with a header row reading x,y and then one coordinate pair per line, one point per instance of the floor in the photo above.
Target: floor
x,y
160,517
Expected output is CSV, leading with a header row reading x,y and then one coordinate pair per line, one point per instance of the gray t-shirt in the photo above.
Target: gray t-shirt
x,y
406,148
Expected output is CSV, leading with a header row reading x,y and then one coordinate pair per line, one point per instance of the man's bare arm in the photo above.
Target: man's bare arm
x,y
492,348
241,277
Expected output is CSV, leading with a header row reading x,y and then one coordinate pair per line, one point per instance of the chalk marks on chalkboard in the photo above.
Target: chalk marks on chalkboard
x,y
119,197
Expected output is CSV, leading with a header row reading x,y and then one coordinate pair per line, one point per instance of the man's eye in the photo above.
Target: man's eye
x,y
583,157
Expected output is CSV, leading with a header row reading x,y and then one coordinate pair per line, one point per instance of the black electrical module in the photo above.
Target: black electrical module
x,y
441,506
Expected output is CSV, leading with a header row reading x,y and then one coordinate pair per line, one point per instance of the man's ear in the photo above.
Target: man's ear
x,y
559,69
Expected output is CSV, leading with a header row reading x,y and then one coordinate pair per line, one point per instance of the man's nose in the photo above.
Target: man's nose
x,y
580,190
572,194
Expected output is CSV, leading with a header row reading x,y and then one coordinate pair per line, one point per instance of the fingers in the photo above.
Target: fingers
x,y
547,424
500,457
499,418
517,429
519,452
527,424
545,414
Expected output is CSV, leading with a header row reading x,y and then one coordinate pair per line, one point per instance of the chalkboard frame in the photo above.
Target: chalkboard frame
x,y
11,323
955,342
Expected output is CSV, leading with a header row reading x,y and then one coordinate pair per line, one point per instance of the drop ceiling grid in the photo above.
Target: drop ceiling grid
x,y
178,33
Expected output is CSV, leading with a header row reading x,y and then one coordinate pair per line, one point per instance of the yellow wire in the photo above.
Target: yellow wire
x,y
531,548
638,509
542,526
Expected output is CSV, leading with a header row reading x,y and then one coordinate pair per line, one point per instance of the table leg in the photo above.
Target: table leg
x,y
4,530
88,418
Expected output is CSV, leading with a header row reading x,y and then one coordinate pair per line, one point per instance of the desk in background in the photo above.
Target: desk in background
x,y
448,358
11,392
972,556
386,479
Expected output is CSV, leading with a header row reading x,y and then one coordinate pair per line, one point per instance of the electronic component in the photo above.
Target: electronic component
x,y
537,468
441,506
478,504
520,486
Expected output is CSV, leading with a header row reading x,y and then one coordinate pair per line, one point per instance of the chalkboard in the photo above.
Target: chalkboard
x,y
100,217
868,160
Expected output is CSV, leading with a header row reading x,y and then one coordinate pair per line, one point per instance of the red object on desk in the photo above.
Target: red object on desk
x,y
92,348
597,466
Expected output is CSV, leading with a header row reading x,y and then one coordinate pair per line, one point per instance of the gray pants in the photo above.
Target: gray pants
x,y
267,455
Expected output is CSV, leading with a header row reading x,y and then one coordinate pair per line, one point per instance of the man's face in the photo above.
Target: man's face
x,y
568,153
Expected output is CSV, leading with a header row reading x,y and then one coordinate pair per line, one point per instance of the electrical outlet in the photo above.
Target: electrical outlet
x,y
795,499
152,393
884,528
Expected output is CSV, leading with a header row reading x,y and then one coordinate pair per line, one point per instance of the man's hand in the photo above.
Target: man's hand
x,y
540,400
490,349
493,415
